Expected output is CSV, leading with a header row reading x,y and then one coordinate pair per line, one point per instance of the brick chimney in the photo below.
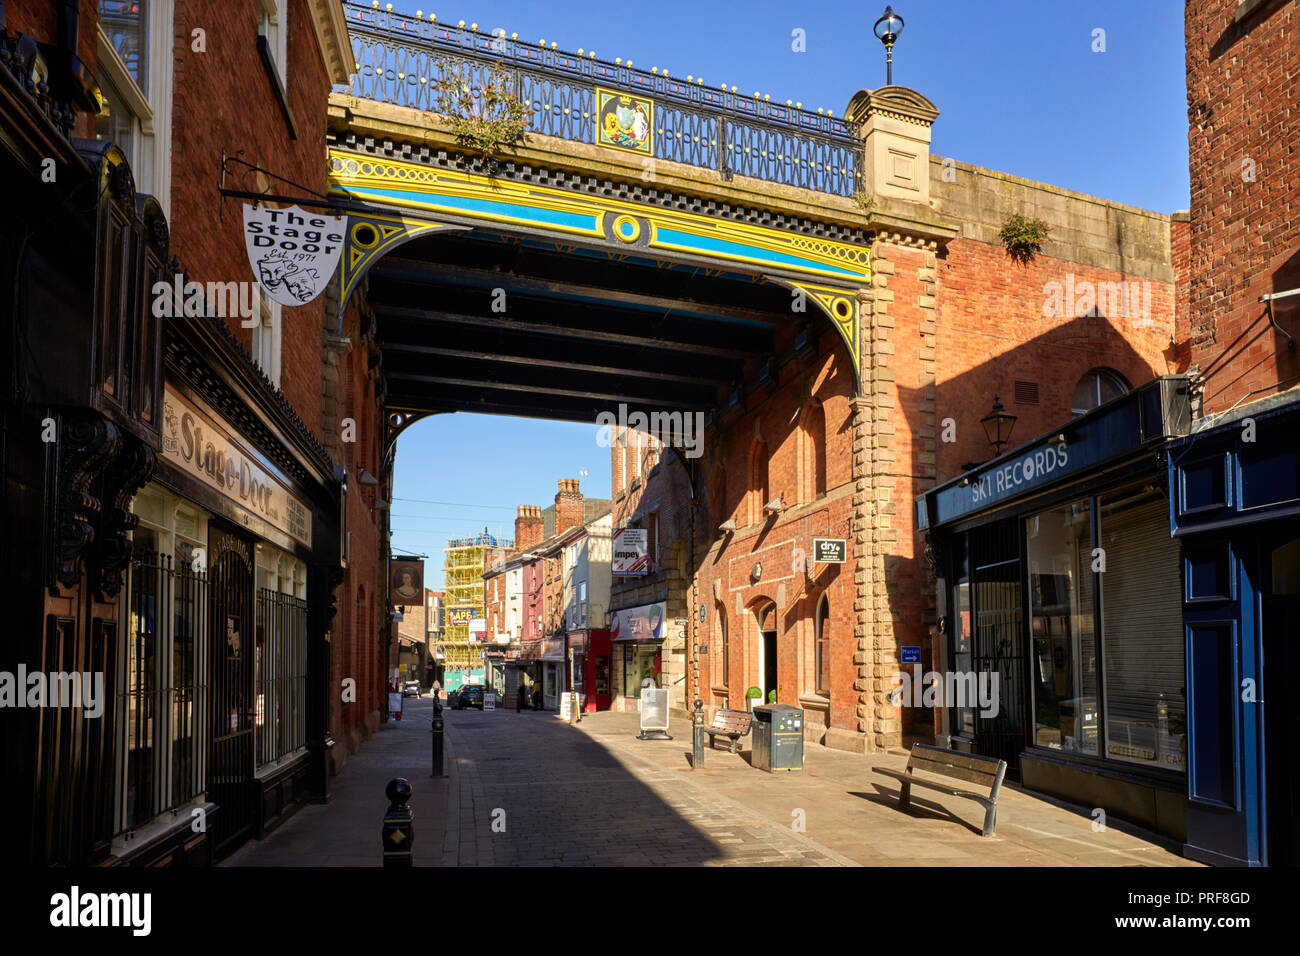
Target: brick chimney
x,y
569,511
528,527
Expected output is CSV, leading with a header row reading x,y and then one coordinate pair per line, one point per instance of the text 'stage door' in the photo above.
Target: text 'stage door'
x,y
231,627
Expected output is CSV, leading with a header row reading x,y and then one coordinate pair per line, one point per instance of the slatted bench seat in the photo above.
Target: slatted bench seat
x,y
936,761
730,723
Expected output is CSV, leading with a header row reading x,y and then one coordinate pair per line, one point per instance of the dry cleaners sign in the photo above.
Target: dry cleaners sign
x,y
293,252
194,439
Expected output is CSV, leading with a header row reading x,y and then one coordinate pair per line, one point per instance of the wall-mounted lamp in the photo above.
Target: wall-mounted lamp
x,y
1058,439
382,504
998,425
366,478
774,507
727,527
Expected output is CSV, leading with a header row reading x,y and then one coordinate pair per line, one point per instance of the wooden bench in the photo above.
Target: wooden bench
x,y
730,723
982,771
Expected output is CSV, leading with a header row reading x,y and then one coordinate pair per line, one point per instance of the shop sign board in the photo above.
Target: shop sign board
x,y
830,550
643,624
203,446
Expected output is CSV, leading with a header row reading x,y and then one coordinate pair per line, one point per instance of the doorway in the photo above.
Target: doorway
x,y
231,672
767,669
1281,608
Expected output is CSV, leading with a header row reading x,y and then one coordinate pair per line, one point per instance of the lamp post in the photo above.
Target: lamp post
x,y
887,29
997,426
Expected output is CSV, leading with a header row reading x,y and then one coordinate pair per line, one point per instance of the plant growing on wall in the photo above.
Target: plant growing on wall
x,y
1023,237
487,118
866,202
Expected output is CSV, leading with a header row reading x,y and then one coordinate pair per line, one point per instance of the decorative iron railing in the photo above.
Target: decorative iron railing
x,y
280,679
163,687
401,60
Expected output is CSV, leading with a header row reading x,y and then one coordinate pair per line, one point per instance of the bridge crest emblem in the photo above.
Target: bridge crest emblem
x,y
625,121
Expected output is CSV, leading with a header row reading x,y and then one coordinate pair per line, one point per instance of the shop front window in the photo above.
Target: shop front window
x,y
163,735
1143,650
640,663
1064,664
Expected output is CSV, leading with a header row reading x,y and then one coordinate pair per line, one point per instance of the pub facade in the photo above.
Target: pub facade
x,y
170,537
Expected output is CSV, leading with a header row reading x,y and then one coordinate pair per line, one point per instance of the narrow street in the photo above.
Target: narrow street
x,y
594,795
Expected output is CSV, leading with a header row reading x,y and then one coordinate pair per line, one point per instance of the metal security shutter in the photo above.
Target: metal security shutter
x,y
1142,636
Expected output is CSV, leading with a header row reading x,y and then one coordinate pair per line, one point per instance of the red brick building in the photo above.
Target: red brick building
x,y
811,447
242,534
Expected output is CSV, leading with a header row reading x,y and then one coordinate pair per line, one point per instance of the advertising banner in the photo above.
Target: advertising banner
x,y
629,552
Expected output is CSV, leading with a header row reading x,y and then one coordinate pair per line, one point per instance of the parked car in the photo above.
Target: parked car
x,y
471,695
411,688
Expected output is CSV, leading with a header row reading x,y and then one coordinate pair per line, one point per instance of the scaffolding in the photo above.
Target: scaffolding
x,y
464,560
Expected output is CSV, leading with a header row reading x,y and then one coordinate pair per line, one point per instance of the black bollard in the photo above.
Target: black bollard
x,y
697,723
438,732
399,827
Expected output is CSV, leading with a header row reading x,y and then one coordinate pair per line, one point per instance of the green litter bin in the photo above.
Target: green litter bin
x,y
778,738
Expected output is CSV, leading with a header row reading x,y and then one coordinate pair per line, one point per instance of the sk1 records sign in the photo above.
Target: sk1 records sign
x,y
293,252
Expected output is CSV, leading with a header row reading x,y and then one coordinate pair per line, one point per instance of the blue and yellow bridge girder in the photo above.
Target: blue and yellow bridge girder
x,y
411,199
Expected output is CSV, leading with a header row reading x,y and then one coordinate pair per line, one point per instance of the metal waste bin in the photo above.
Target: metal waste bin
x,y
778,738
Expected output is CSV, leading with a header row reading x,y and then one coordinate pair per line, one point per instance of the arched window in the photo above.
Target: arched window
x,y
812,452
720,679
822,647
718,498
757,482
1096,388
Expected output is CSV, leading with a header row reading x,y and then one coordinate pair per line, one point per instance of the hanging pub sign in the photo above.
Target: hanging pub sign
x,y
407,581
629,552
293,252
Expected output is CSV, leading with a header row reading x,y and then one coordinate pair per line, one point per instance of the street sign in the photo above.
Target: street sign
x,y
489,701
911,653
830,550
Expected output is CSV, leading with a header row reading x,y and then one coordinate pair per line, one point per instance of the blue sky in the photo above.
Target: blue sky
x,y
1019,89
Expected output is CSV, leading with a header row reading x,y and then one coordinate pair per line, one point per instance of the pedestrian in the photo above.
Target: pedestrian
x,y
519,694
537,695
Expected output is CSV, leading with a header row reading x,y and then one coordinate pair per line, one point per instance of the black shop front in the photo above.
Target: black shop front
x,y
1060,589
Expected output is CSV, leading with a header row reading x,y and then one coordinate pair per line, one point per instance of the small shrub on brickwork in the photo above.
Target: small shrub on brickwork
x,y
1023,238
486,119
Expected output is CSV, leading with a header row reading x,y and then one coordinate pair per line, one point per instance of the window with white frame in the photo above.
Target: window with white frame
x,y
135,79
266,338
273,24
